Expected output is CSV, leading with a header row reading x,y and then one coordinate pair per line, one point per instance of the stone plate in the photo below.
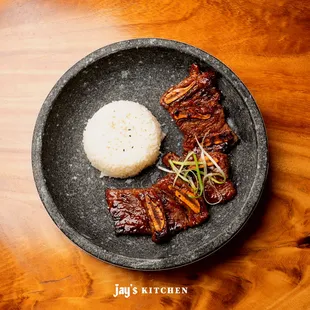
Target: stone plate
x,y
71,190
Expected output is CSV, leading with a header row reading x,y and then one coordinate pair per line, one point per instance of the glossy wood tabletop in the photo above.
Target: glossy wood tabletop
x,y
267,44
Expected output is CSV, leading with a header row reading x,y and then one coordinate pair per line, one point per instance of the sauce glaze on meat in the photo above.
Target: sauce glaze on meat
x,y
168,207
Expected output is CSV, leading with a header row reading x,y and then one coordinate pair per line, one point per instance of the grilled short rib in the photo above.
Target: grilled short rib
x,y
128,212
161,210
194,105
169,206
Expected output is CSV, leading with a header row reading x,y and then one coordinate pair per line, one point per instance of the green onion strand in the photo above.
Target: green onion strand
x,y
195,172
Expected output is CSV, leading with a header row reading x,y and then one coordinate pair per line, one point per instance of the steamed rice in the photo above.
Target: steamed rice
x,y
122,139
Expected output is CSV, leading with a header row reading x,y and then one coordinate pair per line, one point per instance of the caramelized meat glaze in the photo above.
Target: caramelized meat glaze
x,y
168,207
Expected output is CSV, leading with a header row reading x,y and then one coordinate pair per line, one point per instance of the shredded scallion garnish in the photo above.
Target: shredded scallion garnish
x,y
177,172
211,159
165,169
195,172
200,183
181,167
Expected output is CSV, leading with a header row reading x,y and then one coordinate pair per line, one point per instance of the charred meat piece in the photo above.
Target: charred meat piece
x,y
175,213
194,105
160,211
137,211
212,131
188,87
220,140
128,211
195,208
220,193
156,215
201,106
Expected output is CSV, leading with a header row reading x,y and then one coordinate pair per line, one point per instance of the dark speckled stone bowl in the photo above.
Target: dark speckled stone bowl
x,y
70,188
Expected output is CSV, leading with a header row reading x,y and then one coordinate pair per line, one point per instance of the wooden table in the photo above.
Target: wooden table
x,y
267,44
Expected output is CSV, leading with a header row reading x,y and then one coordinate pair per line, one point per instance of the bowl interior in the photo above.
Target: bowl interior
x,y
140,75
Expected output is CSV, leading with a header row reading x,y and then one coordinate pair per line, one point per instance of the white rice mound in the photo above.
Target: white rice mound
x,y
122,138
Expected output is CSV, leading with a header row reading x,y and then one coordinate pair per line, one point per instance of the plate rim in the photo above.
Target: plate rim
x,y
140,263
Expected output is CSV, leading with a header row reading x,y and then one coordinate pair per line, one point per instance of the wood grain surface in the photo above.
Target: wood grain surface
x,y
267,44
